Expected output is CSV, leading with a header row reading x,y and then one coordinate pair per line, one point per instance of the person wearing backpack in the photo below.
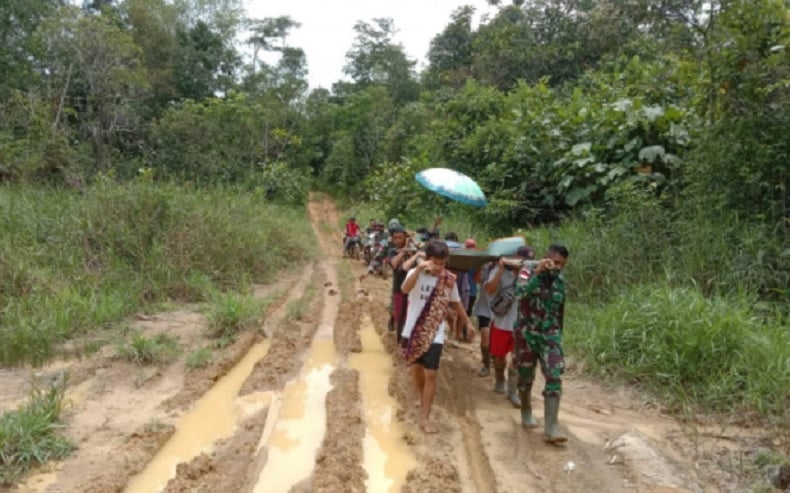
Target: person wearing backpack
x,y
501,288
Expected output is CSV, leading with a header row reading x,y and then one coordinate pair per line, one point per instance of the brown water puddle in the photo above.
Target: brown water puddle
x,y
213,417
296,422
387,457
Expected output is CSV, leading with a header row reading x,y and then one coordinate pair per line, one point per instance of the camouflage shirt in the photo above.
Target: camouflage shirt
x,y
541,301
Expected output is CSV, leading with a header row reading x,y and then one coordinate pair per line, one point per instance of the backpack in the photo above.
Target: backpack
x,y
501,302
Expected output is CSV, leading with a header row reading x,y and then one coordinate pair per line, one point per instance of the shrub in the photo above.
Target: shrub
x,y
199,358
141,350
231,313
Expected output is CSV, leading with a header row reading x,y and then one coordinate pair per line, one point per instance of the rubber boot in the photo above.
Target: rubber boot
x,y
512,392
499,384
552,410
486,369
527,419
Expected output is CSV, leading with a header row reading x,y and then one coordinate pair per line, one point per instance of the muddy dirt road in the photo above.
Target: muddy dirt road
x,y
315,401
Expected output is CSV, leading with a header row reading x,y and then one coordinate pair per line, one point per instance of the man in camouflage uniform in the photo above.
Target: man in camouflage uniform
x,y
541,294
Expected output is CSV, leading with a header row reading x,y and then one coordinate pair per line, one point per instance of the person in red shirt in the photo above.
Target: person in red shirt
x,y
352,231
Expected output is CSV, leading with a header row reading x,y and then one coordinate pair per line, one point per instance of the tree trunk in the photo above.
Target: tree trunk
x,y
98,149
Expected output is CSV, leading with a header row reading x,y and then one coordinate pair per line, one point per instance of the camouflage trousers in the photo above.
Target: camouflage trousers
x,y
546,347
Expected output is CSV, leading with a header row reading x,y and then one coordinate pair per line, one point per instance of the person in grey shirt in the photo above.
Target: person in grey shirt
x,y
483,313
503,277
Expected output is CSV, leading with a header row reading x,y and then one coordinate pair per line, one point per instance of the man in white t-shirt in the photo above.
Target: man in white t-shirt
x,y
419,285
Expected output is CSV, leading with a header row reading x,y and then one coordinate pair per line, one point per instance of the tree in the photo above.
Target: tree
x,y
362,123
19,20
153,25
90,56
223,17
450,54
204,66
375,59
265,31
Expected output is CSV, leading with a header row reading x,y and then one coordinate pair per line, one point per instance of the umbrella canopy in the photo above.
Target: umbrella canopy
x,y
453,185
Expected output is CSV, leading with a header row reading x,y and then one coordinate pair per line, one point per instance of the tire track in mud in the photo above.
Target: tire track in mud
x,y
339,461
451,460
232,463
237,463
458,399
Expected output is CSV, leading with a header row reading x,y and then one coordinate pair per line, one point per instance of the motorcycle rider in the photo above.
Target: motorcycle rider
x,y
376,250
352,231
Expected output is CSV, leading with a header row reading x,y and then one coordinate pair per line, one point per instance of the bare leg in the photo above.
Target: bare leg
x,y
485,355
418,377
428,393
499,373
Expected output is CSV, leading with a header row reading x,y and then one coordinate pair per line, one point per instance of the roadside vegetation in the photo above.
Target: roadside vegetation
x,y
158,349
199,358
29,436
72,262
231,313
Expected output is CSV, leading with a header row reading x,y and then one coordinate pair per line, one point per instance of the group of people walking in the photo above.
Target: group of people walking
x,y
519,307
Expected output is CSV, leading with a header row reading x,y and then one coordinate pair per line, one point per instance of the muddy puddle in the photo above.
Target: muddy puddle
x,y
387,457
213,417
296,423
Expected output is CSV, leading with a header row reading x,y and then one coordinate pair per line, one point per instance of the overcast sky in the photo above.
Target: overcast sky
x,y
327,30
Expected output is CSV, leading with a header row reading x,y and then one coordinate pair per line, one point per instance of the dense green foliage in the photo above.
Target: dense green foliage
x,y
72,261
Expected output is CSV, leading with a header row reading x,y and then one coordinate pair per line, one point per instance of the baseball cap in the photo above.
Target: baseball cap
x,y
470,243
526,252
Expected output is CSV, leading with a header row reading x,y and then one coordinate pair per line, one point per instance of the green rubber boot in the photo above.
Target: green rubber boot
x,y
551,408
527,419
512,392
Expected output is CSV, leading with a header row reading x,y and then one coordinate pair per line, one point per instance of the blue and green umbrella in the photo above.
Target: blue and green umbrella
x,y
453,185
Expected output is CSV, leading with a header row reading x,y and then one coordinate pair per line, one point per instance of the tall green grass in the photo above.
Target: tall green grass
x,y
72,261
722,256
29,435
701,353
231,313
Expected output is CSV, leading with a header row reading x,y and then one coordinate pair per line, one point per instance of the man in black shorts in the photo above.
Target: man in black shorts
x,y
419,285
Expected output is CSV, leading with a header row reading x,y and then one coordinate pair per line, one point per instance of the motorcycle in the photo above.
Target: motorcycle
x,y
352,247
375,254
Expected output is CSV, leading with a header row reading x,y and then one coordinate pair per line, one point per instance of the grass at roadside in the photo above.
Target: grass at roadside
x,y
199,358
230,313
29,436
693,352
158,349
71,262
